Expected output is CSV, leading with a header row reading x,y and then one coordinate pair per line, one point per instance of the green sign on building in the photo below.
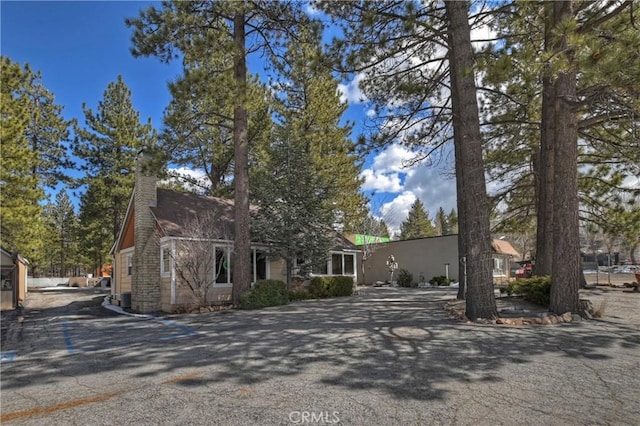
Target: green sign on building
x,y
361,239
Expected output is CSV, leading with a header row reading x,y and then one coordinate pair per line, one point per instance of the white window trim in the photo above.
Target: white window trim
x,y
164,273
330,265
496,272
129,265
353,255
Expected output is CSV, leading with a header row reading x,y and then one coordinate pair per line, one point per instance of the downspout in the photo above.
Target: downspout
x,y
173,272
114,273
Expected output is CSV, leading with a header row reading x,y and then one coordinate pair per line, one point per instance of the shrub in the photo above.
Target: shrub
x,y
440,280
265,293
318,287
535,290
299,295
405,278
342,286
321,287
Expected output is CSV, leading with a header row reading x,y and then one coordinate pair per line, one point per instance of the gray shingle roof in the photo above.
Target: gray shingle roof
x,y
175,210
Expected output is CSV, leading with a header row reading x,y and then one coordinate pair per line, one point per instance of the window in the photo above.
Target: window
x,y
223,266
498,267
336,264
129,264
7,277
323,269
349,264
258,265
165,260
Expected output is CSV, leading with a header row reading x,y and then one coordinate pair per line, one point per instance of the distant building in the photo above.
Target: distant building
x,y
13,279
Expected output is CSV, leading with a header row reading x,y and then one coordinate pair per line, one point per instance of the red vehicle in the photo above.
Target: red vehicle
x,y
525,272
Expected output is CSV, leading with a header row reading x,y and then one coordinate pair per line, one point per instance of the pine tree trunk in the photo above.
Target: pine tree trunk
x,y
473,212
566,242
62,260
242,248
545,166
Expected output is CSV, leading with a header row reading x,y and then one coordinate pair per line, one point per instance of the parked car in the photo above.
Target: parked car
x,y
525,272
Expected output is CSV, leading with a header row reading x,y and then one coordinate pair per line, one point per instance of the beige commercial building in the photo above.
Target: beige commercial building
x,y
428,257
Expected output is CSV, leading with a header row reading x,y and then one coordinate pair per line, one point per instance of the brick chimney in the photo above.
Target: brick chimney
x,y
145,280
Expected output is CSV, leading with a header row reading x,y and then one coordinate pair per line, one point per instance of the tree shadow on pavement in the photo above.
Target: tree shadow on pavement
x,y
399,343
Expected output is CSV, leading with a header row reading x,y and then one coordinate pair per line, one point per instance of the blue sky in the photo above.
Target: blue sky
x,y
80,47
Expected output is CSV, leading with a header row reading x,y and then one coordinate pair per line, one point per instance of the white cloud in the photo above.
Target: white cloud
x,y
480,36
392,159
380,182
371,113
434,185
351,92
384,175
184,176
396,211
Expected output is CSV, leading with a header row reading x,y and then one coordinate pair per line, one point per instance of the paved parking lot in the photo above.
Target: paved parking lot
x,y
388,356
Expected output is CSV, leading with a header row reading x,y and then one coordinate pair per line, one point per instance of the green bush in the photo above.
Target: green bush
x,y
299,295
342,286
405,278
440,280
318,287
265,293
535,290
321,287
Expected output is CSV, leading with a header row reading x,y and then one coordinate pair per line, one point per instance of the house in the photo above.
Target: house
x,y
158,231
429,257
503,254
13,279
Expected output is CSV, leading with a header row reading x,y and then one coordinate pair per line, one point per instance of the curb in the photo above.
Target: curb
x,y
119,310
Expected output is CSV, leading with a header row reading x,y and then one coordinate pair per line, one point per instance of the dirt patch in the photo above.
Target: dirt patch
x,y
610,304
513,311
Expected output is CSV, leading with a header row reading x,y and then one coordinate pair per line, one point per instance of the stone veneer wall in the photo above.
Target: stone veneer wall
x,y
145,283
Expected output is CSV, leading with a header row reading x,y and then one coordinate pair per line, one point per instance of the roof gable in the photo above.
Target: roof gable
x,y
503,247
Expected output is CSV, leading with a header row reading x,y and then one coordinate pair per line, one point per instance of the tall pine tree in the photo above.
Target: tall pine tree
x,y
309,91
310,173
293,219
442,223
20,193
62,225
417,224
198,29
108,145
33,156
416,95
199,123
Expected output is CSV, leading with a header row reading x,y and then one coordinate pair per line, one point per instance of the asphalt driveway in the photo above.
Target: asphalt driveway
x,y
387,356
